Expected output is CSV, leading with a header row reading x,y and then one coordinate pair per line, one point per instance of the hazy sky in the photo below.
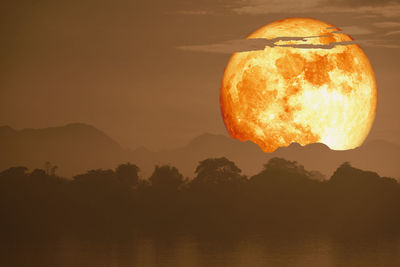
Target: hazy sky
x,y
149,72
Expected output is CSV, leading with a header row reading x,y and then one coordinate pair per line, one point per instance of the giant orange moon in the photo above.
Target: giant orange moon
x,y
287,93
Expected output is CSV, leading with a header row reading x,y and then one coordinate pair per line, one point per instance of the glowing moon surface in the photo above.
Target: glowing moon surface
x,y
286,94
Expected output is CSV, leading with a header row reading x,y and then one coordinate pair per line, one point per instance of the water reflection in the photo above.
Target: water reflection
x,y
184,250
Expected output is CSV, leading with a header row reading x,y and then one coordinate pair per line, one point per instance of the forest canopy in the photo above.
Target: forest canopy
x,y
282,196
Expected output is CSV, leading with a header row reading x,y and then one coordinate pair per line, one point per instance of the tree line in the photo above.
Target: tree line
x,y
282,196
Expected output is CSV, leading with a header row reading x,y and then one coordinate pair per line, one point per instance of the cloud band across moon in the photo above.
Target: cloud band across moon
x,y
257,44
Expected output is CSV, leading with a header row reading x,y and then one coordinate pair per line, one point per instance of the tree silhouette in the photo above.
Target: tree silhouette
x,y
286,192
50,168
128,174
217,171
38,174
14,172
360,200
216,193
283,195
167,178
279,171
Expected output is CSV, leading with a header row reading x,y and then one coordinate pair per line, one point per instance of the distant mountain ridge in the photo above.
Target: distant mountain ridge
x,y
74,148
379,155
78,147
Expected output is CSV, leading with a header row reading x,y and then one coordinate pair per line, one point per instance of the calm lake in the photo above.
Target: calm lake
x,y
185,250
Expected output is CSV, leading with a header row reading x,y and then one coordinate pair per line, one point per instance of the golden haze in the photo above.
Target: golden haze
x,y
280,95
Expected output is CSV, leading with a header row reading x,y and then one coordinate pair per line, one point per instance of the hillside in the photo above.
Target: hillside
x,y
76,148
73,148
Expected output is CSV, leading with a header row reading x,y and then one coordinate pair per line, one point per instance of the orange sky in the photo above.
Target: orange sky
x,y
149,73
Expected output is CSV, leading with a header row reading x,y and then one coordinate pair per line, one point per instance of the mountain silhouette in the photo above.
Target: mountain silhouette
x,y
379,155
78,147
73,148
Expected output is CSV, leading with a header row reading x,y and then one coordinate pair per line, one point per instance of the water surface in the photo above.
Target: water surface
x,y
218,250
